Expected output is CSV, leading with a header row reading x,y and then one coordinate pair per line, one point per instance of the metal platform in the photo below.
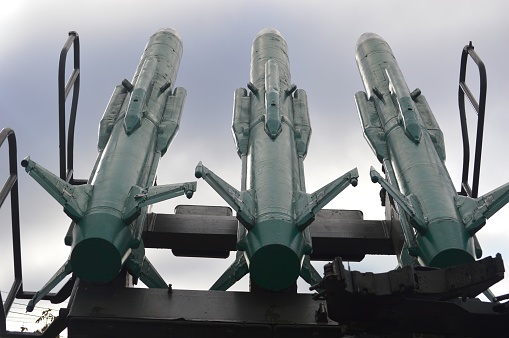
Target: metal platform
x,y
118,312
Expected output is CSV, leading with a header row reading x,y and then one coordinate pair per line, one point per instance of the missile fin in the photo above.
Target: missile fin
x,y
273,114
309,273
373,132
139,198
430,123
418,222
140,95
57,278
301,122
406,106
307,205
140,267
240,123
240,201
110,115
475,211
233,274
74,198
170,122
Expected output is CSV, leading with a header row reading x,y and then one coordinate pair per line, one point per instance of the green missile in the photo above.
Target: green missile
x,y
272,131
438,224
108,212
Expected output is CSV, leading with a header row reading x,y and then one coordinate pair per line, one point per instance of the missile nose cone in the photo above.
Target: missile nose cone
x,y
171,31
368,36
268,31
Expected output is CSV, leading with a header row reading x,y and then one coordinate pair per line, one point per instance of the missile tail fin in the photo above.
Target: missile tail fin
x,y
234,273
403,201
140,267
307,205
475,211
240,201
139,198
309,273
74,198
57,278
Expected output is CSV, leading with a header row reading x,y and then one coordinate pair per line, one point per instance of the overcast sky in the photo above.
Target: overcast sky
x,y
426,38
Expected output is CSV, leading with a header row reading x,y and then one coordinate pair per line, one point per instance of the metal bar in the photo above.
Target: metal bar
x,y
470,96
465,187
72,78
480,120
343,234
11,180
11,186
66,158
479,107
15,287
100,311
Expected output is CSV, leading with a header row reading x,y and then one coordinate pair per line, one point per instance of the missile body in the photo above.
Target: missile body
x,y
272,130
108,212
438,224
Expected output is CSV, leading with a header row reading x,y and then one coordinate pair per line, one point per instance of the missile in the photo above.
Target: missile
x,y
437,223
272,130
108,212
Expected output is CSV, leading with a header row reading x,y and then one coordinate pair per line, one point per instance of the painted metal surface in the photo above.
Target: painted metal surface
x,y
202,233
101,311
109,211
405,301
271,128
438,224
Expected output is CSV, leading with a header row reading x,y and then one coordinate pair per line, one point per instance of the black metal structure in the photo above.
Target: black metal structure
x,y
16,291
11,187
64,88
415,300
479,107
101,311
207,231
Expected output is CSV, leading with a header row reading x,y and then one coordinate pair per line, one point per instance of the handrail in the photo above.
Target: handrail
x,y
11,186
479,107
67,158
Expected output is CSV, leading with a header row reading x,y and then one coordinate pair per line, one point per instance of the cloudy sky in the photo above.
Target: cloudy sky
x,y
426,38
